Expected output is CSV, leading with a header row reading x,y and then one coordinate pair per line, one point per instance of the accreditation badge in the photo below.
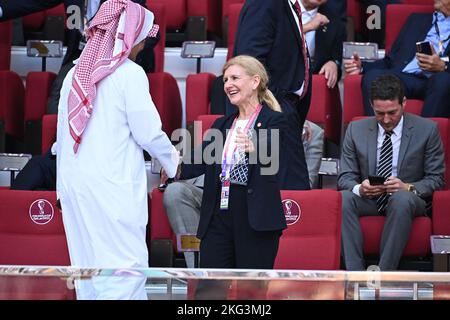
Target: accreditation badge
x,y
225,195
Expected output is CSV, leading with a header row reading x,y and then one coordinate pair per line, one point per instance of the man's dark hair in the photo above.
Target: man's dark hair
x,y
387,87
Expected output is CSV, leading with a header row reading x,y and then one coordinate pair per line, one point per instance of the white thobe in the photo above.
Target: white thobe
x,y
103,187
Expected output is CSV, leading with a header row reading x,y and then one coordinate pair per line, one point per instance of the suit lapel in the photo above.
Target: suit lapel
x,y
287,8
407,133
372,147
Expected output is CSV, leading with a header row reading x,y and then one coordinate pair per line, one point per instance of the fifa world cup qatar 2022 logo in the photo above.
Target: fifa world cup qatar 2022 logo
x,y
41,211
292,211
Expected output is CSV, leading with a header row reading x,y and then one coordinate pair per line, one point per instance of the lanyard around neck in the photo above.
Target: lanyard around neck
x,y
440,42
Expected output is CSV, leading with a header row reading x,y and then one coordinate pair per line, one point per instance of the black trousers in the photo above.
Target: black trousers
x,y
230,242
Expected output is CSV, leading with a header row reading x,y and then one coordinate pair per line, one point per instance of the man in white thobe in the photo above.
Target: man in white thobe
x,y
106,118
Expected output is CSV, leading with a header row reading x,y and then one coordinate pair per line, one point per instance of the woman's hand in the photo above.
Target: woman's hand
x,y
243,142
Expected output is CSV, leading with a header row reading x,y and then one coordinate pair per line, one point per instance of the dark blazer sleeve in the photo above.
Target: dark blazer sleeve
x,y
189,167
18,8
257,16
349,173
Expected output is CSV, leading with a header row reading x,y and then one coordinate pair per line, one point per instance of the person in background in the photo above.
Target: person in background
x,y
425,76
406,151
106,118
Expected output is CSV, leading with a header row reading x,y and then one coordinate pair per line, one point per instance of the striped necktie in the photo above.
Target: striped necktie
x,y
385,168
298,11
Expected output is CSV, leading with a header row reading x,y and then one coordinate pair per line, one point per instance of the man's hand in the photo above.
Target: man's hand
x,y
318,21
307,132
353,65
430,63
330,70
163,175
368,191
394,184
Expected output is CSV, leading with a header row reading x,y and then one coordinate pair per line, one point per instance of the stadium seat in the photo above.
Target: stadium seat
x,y
49,123
396,16
11,109
423,227
233,18
166,96
45,25
5,45
353,100
159,10
37,92
32,233
326,109
209,9
198,87
225,15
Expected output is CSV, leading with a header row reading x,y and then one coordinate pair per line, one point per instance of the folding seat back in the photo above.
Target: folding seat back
x,y
233,18
326,108
198,87
166,96
159,10
11,108
32,233
178,9
312,241
313,236
38,85
396,16
49,123
5,45
210,10
354,12
205,121
225,15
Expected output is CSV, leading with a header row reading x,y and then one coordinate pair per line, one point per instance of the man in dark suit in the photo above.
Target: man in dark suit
x,y
324,33
73,38
404,148
270,30
425,76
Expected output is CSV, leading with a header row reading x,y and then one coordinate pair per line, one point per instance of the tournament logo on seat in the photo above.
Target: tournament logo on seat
x,y
292,211
41,211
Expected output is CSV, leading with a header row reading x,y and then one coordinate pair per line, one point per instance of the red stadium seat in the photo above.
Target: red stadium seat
x,y
396,16
210,9
198,87
233,18
326,108
205,121
353,100
5,45
49,123
11,108
314,232
225,14
37,92
32,233
166,96
159,10
423,227
177,17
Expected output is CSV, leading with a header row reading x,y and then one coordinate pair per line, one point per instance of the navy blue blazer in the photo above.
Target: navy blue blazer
x,y
265,211
267,31
404,48
328,42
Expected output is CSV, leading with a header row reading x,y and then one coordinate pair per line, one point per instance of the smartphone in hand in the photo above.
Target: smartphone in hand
x,y
424,47
376,180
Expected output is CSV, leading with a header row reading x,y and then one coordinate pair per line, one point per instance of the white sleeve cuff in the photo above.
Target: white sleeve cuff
x,y
356,189
1,12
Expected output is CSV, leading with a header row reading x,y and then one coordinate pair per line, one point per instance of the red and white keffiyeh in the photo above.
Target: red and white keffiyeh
x,y
117,27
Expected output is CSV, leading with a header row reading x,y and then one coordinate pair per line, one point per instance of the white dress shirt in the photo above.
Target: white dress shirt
x,y
310,36
396,139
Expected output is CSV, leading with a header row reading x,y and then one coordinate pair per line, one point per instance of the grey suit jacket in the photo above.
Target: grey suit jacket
x,y
420,160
